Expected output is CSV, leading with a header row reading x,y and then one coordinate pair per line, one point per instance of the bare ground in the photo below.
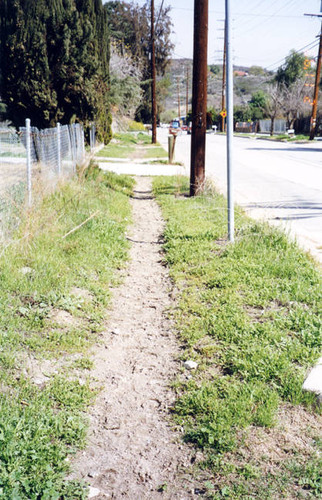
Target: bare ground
x,y
133,451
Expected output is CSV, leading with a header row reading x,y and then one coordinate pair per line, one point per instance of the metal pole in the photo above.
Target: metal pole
x,y
223,92
153,79
199,97
316,91
230,124
178,88
28,148
187,96
58,149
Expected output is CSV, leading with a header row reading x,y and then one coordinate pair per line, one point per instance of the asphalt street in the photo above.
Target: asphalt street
x,y
275,181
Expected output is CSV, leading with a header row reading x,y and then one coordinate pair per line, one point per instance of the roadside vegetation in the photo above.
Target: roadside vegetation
x,y
248,314
54,286
132,145
287,138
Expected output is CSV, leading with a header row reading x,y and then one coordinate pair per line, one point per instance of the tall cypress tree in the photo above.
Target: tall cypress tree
x,y
55,55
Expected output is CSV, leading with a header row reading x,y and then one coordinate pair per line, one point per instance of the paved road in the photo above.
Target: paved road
x,y
279,182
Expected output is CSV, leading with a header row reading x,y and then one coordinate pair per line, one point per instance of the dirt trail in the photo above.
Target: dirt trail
x,y
132,449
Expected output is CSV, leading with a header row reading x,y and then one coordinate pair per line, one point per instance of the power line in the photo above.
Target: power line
x,y
156,24
249,21
309,46
242,14
270,17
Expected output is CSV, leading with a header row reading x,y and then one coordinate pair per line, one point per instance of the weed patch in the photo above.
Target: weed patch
x,y
248,313
132,145
54,286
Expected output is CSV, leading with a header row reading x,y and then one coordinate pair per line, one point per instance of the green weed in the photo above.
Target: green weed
x,y
249,314
72,240
130,145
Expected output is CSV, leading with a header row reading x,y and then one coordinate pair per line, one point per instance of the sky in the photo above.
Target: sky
x,y
264,31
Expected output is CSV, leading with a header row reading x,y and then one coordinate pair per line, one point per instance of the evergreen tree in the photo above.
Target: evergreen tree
x,y
55,56
292,70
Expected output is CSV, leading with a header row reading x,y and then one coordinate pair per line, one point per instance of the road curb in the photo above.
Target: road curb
x,y
313,382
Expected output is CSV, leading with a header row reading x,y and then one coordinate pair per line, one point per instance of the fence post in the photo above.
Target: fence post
x,y
93,137
91,144
59,149
171,140
28,148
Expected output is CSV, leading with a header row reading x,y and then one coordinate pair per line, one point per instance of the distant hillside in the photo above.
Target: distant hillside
x,y
244,86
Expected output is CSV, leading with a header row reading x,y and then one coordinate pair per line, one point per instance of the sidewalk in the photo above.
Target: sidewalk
x,y
136,167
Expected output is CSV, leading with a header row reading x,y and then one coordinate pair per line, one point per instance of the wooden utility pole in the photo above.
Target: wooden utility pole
x,y
199,97
178,88
223,93
153,79
316,91
187,95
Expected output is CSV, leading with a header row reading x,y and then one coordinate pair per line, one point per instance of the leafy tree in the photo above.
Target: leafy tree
x,y
214,68
257,105
26,86
213,117
130,28
256,71
242,114
55,57
163,91
292,70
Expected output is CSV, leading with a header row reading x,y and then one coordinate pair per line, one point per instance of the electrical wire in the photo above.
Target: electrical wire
x,y
309,46
271,17
156,24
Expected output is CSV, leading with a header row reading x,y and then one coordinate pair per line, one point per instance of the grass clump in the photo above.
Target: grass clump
x,y
54,286
132,145
248,313
134,126
289,138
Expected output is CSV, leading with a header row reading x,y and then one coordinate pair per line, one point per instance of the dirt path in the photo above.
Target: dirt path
x,y
132,449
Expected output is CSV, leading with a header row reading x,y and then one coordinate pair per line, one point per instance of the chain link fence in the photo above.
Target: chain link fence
x,y
32,162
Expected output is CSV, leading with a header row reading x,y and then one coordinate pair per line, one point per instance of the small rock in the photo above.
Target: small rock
x,y
93,492
93,473
26,270
40,381
116,331
190,365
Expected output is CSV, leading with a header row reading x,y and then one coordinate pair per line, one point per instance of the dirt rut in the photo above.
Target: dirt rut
x,y
133,452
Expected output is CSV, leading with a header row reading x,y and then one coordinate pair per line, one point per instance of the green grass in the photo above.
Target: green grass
x,y
155,152
134,126
42,425
249,314
132,145
289,138
12,155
